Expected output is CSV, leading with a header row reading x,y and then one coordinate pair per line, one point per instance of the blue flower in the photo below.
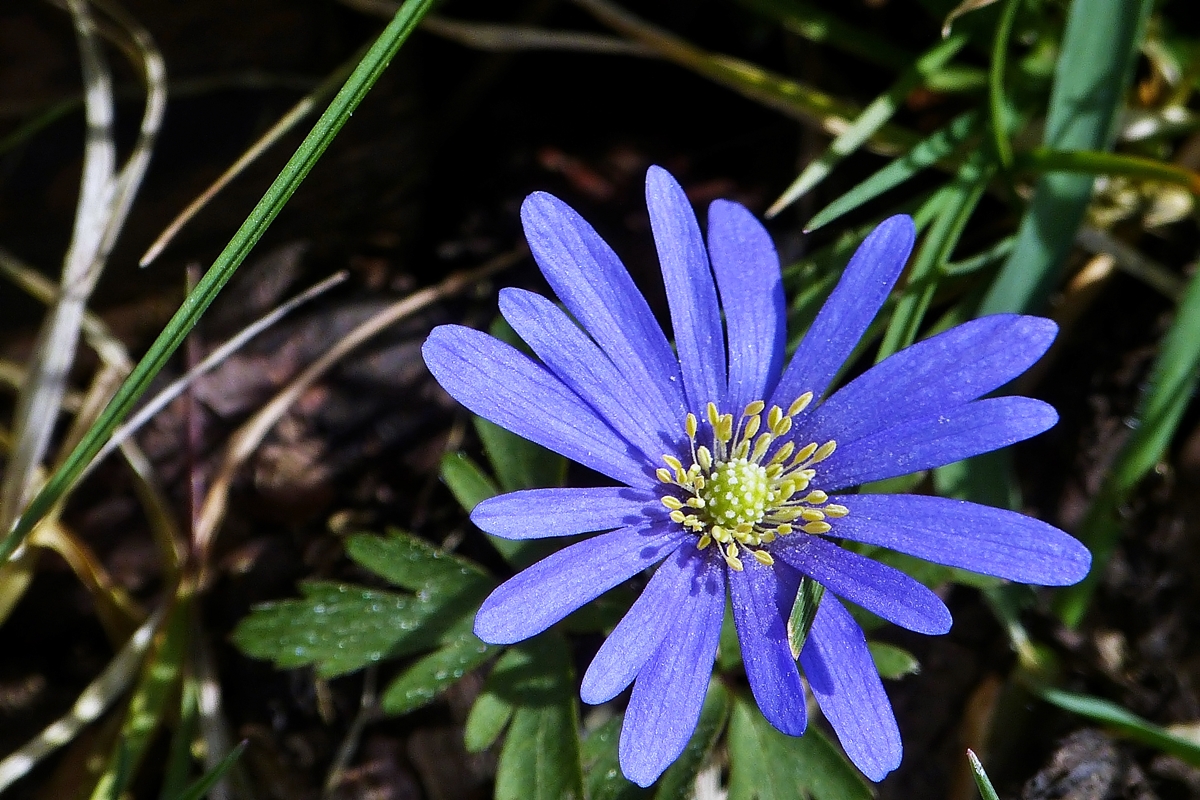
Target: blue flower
x,y
733,469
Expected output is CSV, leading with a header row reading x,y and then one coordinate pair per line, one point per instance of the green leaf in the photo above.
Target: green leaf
x,y
925,154
729,652
765,764
867,123
466,481
519,463
1100,47
222,269
893,662
1165,396
804,611
337,627
1125,722
986,790
540,759
488,717
602,768
421,683
416,565
997,100
678,782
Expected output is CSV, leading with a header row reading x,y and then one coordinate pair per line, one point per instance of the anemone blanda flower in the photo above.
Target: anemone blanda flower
x,y
733,469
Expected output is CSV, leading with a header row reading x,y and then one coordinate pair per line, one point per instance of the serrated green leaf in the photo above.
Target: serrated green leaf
x,y
765,764
337,627
466,481
416,565
488,718
422,682
804,611
540,759
893,662
602,768
678,782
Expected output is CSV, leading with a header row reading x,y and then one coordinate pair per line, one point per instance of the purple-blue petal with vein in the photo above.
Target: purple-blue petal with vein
x,y
539,596
844,318
541,513
669,691
643,627
586,370
502,385
691,295
844,680
595,287
957,433
762,599
943,371
878,588
747,270
991,541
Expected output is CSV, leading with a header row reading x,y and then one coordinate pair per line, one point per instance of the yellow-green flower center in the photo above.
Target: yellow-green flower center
x,y
743,492
737,493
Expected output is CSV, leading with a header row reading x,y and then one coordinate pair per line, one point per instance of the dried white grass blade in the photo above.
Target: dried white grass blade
x,y
98,696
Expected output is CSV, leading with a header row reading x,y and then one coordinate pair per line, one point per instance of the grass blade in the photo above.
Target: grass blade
x,y
986,790
872,118
1092,162
925,154
1099,48
1125,722
297,168
997,102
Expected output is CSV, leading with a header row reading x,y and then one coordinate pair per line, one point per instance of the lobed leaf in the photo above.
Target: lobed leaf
x,y
421,683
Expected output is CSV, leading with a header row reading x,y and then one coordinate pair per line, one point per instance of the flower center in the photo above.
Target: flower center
x,y
743,492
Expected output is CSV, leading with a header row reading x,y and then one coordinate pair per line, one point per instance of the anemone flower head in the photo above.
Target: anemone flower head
x,y
734,471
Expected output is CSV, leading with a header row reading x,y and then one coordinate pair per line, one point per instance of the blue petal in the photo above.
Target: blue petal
x,y
747,269
595,287
933,441
640,631
876,587
584,368
934,375
695,314
843,678
540,513
843,320
500,384
990,541
669,692
762,600
537,597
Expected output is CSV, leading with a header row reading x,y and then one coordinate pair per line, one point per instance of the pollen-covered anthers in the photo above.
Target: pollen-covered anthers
x,y
737,497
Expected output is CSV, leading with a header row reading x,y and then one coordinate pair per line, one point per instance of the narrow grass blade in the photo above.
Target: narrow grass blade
x,y
986,790
957,202
1125,722
1092,162
1165,397
1099,48
997,99
790,97
872,118
297,168
937,146
199,789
